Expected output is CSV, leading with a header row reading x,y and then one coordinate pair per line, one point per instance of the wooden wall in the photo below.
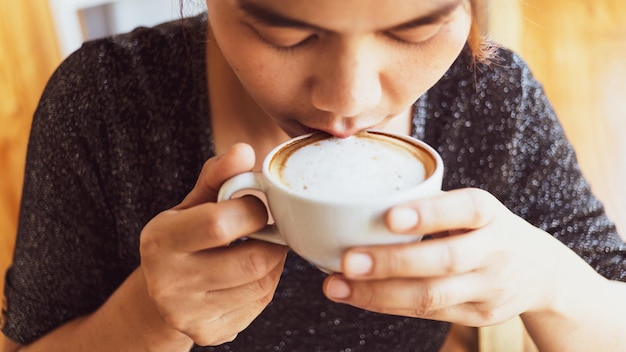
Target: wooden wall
x,y
28,55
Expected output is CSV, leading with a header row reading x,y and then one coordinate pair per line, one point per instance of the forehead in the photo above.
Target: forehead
x,y
352,15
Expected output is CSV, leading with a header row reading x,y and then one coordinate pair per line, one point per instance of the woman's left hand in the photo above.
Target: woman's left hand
x,y
484,266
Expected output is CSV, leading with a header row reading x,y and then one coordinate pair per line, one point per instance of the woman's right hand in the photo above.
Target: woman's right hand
x,y
203,286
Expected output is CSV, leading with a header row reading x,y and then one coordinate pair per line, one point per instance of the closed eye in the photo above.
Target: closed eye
x,y
283,37
415,35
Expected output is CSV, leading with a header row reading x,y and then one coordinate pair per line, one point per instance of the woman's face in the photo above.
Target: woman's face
x,y
338,66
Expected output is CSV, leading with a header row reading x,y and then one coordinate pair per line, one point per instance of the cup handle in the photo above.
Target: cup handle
x,y
250,181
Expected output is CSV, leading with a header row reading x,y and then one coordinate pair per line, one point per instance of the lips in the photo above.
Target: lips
x,y
344,131
341,127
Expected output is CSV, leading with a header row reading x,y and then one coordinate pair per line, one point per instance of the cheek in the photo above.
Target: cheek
x,y
423,67
268,84
256,66
274,83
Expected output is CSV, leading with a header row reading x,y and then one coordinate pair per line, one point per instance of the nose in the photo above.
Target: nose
x,y
347,81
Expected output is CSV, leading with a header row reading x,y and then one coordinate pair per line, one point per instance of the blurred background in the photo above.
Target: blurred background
x,y
35,36
576,48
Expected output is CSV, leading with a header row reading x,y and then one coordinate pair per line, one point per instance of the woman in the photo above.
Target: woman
x,y
121,246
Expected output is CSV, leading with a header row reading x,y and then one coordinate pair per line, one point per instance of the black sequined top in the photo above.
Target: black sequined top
x,y
123,129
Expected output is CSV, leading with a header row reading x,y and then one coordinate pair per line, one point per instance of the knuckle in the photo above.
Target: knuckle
x,y
149,239
176,321
202,339
265,300
426,212
497,283
265,286
429,298
450,256
162,299
218,226
368,298
148,244
205,341
485,316
393,261
214,337
218,331
254,264
159,293
480,204
207,332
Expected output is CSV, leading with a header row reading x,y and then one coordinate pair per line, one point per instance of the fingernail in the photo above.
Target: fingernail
x,y
402,219
337,288
358,264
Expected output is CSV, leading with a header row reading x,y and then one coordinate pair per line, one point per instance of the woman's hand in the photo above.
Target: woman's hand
x,y
203,286
484,266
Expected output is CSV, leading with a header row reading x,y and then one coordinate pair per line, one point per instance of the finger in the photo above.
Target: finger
x,y
448,211
260,288
205,226
421,298
236,314
234,266
437,257
225,329
238,159
215,317
207,300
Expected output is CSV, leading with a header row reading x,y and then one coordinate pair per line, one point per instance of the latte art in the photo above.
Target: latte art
x,y
365,165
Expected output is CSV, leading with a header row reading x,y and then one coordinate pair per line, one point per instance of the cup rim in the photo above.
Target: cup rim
x,y
435,177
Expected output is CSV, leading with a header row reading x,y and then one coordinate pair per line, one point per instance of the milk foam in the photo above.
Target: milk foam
x,y
352,167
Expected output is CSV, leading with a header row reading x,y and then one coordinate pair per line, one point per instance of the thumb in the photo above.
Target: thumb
x,y
238,159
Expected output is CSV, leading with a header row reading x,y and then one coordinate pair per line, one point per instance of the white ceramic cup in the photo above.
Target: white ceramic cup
x,y
321,228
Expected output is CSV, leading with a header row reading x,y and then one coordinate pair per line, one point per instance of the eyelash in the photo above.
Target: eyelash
x,y
285,49
388,35
401,41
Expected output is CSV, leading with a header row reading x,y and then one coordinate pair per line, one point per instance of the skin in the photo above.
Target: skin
x,y
299,87
355,64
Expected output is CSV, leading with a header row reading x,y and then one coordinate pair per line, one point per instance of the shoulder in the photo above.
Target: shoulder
x,y
167,43
135,56
128,76
505,72
503,88
119,97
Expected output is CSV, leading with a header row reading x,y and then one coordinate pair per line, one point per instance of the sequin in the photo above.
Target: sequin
x,y
121,134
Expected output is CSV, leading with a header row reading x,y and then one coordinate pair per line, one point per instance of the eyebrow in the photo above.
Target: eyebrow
x,y
432,17
272,18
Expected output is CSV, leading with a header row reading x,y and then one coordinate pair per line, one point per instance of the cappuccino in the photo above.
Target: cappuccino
x,y
368,164
327,194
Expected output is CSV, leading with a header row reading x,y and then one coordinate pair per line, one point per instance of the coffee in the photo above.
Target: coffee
x,y
327,194
368,164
